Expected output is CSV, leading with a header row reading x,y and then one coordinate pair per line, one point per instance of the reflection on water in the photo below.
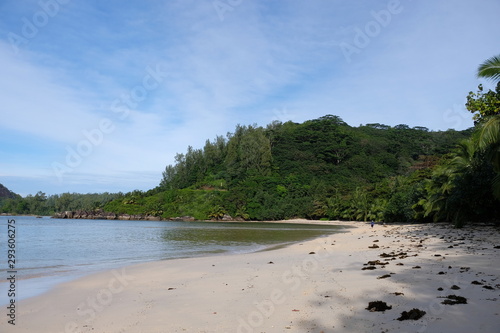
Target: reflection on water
x,y
241,234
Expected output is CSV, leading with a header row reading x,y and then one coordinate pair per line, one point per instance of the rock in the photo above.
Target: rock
x,y
182,218
99,214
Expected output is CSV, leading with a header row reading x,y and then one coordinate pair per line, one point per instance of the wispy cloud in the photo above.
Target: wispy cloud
x,y
261,57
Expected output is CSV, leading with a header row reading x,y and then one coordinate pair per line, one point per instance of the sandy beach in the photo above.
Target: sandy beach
x,y
322,285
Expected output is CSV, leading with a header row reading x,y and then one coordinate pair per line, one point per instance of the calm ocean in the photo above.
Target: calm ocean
x,y
51,251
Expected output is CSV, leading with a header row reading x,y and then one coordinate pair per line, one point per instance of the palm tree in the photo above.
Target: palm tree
x,y
489,139
490,69
489,135
441,189
217,212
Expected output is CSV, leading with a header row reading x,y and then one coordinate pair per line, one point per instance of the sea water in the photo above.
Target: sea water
x,y
50,251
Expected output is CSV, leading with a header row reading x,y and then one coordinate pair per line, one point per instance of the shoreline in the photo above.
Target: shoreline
x,y
311,286
39,284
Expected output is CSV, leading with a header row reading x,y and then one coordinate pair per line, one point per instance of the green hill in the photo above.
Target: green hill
x,y
7,197
319,169
322,168
5,193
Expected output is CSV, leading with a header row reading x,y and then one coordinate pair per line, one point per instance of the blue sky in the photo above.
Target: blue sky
x,y
100,95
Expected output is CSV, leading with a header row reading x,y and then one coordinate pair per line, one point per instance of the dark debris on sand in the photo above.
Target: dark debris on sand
x,y
368,268
376,262
413,314
393,255
454,299
378,306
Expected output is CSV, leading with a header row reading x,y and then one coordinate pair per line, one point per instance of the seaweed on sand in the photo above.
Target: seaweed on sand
x,y
413,314
378,306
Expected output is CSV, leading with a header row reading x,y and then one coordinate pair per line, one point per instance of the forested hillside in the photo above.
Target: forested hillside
x,y
322,168
5,193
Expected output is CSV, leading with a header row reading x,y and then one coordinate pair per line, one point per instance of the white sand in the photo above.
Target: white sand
x,y
298,292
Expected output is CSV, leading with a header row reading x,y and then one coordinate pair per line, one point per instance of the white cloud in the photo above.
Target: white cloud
x,y
264,56
36,102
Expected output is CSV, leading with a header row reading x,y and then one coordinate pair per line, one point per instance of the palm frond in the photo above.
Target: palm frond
x,y
464,157
490,132
490,69
495,184
489,140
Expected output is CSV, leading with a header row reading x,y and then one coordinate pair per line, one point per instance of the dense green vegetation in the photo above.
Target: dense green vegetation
x,y
41,204
323,169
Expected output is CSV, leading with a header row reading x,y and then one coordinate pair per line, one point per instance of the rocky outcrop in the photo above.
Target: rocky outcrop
x,y
182,218
99,214
228,218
